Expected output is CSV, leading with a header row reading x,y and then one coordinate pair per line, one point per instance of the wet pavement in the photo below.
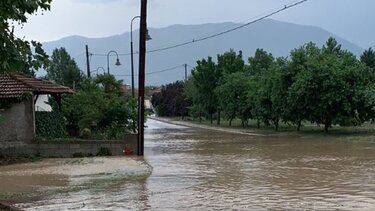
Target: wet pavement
x,y
195,169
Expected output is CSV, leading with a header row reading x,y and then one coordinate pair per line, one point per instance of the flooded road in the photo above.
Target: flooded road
x,y
196,168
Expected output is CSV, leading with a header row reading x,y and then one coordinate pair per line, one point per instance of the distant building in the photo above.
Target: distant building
x,y
127,90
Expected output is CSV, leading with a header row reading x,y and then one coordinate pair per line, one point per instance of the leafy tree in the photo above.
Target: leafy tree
x,y
368,58
233,96
171,101
196,109
92,104
298,108
329,88
206,78
326,85
260,62
63,69
18,54
228,63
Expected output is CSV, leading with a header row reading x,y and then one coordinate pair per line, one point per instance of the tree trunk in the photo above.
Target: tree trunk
x,y
258,123
218,117
211,118
299,125
230,122
326,126
243,124
277,124
200,117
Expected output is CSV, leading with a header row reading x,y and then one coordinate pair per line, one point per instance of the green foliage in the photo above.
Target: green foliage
x,y
115,131
232,96
206,78
78,155
49,124
368,58
327,86
103,151
85,133
18,54
171,101
100,104
230,62
63,69
260,62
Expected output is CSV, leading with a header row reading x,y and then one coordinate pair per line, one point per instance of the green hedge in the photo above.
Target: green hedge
x,y
49,124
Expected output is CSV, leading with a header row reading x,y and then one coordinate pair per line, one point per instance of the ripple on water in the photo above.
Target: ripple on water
x,y
195,169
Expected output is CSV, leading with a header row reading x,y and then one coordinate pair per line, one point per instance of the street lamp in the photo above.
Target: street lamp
x,y
97,70
117,61
148,37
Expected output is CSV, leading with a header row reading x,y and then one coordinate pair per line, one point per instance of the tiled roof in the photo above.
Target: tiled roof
x,y
17,84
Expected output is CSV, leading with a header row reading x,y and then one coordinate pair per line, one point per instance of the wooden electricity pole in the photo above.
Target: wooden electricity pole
x,y
88,61
185,72
141,79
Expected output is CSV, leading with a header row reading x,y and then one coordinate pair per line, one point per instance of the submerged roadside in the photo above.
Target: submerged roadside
x,y
21,182
208,127
364,133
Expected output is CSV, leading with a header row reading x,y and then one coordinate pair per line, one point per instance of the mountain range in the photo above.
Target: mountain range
x,y
276,37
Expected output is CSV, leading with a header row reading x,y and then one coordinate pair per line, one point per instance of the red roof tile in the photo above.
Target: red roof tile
x,y
17,84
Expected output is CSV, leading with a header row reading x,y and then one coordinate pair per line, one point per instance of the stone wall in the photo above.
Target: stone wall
x,y
72,148
17,125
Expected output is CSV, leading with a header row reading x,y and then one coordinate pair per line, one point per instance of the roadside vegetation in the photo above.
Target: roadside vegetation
x,y
98,110
323,86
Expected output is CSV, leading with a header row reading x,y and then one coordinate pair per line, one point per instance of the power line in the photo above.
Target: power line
x,y
155,72
286,7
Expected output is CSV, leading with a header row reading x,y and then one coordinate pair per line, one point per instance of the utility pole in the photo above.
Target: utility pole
x,y
88,61
185,72
141,79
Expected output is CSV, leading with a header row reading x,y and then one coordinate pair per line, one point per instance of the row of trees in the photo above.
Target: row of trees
x,y
324,85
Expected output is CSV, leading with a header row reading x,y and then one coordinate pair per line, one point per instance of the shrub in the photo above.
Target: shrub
x,y
78,155
49,124
85,133
103,151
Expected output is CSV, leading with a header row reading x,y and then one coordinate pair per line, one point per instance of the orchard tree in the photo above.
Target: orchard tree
x,y
298,108
230,62
206,78
196,109
232,97
63,69
19,54
260,62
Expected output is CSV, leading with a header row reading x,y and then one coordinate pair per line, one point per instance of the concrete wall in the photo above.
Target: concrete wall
x,y
70,148
17,126
17,132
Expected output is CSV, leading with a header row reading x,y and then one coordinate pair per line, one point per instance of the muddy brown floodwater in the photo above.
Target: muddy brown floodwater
x,y
195,169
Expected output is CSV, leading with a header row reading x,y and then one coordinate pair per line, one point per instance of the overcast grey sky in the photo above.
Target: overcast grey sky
x,y
351,19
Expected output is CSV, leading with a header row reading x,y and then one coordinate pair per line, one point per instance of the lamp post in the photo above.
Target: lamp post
x,y
117,61
148,37
97,70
